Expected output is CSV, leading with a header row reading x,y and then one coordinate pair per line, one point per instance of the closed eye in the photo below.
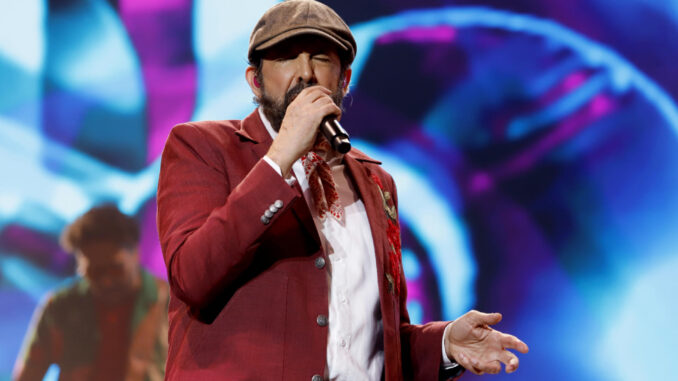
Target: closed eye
x,y
322,57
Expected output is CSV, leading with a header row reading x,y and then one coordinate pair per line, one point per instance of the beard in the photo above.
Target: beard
x,y
275,109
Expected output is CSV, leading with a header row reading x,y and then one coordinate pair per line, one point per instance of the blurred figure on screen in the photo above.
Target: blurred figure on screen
x,y
110,322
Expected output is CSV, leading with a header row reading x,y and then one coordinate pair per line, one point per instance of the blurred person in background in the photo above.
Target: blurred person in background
x,y
110,322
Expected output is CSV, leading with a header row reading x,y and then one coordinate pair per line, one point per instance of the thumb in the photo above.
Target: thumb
x,y
480,318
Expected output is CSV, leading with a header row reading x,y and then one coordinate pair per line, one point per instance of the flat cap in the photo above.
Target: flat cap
x,y
296,17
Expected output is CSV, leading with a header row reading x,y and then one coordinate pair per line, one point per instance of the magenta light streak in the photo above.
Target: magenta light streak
x,y
160,31
574,80
149,248
601,105
443,33
171,92
161,34
416,292
149,5
569,84
481,182
598,107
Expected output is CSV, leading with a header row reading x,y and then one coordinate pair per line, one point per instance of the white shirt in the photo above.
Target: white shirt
x,y
355,343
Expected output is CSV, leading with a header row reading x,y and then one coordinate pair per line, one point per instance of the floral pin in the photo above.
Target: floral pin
x,y
393,235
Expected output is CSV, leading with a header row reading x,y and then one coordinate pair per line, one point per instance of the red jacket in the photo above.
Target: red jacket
x,y
246,296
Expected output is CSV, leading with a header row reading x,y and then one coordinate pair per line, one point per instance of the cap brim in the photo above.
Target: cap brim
x,y
300,31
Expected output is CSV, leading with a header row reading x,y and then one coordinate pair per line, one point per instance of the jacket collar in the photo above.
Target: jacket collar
x,y
252,128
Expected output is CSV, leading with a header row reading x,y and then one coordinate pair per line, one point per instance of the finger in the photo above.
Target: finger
x,y
512,342
512,364
312,95
331,109
468,364
464,361
313,90
492,367
323,98
509,359
480,318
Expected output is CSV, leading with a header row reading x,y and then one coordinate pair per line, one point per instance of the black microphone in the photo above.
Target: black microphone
x,y
335,134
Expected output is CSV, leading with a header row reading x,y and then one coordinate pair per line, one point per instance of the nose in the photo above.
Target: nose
x,y
305,68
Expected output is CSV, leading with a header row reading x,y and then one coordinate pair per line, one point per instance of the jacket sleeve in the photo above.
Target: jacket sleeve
x,y
40,346
209,229
421,344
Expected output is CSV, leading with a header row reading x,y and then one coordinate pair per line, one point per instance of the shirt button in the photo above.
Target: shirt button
x,y
321,320
319,262
278,204
343,343
317,377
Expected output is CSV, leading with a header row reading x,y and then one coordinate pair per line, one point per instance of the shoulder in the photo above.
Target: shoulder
x,y
213,130
373,167
71,288
202,140
153,287
68,296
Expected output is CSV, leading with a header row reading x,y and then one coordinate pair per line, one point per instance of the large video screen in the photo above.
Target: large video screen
x,y
534,144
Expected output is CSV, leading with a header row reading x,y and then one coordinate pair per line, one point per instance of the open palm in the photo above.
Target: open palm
x,y
472,343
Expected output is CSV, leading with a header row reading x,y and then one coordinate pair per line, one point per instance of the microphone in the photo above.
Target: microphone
x,y
335,134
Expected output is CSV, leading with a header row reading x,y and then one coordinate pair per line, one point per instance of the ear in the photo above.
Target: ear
x,y
250,75
347,81
81,263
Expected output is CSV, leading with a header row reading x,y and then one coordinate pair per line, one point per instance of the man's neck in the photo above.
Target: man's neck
x,y
267,123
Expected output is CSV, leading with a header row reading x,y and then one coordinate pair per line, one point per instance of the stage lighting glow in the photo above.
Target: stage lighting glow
x,y
411,265
24,18
624,75
445,241
632,333
546,189
564,106
416,312
27,277
220,47
100,64
69,196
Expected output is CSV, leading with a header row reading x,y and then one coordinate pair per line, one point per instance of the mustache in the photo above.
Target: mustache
x,y
275,109
295,90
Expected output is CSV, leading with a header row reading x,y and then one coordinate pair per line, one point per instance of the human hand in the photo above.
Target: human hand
x,y
480,349
299,127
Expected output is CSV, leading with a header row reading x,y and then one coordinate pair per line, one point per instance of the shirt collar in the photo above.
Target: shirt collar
x,y
267,124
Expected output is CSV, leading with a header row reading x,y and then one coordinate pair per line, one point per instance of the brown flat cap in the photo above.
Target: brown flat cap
x,y
295,17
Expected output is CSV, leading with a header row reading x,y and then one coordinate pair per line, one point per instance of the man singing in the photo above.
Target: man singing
x,y
283,255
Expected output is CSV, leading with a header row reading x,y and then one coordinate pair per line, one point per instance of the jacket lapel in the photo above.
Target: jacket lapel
x,y
374,207
369,194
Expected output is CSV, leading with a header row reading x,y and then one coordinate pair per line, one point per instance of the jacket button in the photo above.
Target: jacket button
x,y
317,377
265,220
321,320
319,262
268,213
278,204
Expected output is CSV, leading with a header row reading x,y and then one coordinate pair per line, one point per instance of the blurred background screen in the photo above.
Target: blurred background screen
x,y
534,144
